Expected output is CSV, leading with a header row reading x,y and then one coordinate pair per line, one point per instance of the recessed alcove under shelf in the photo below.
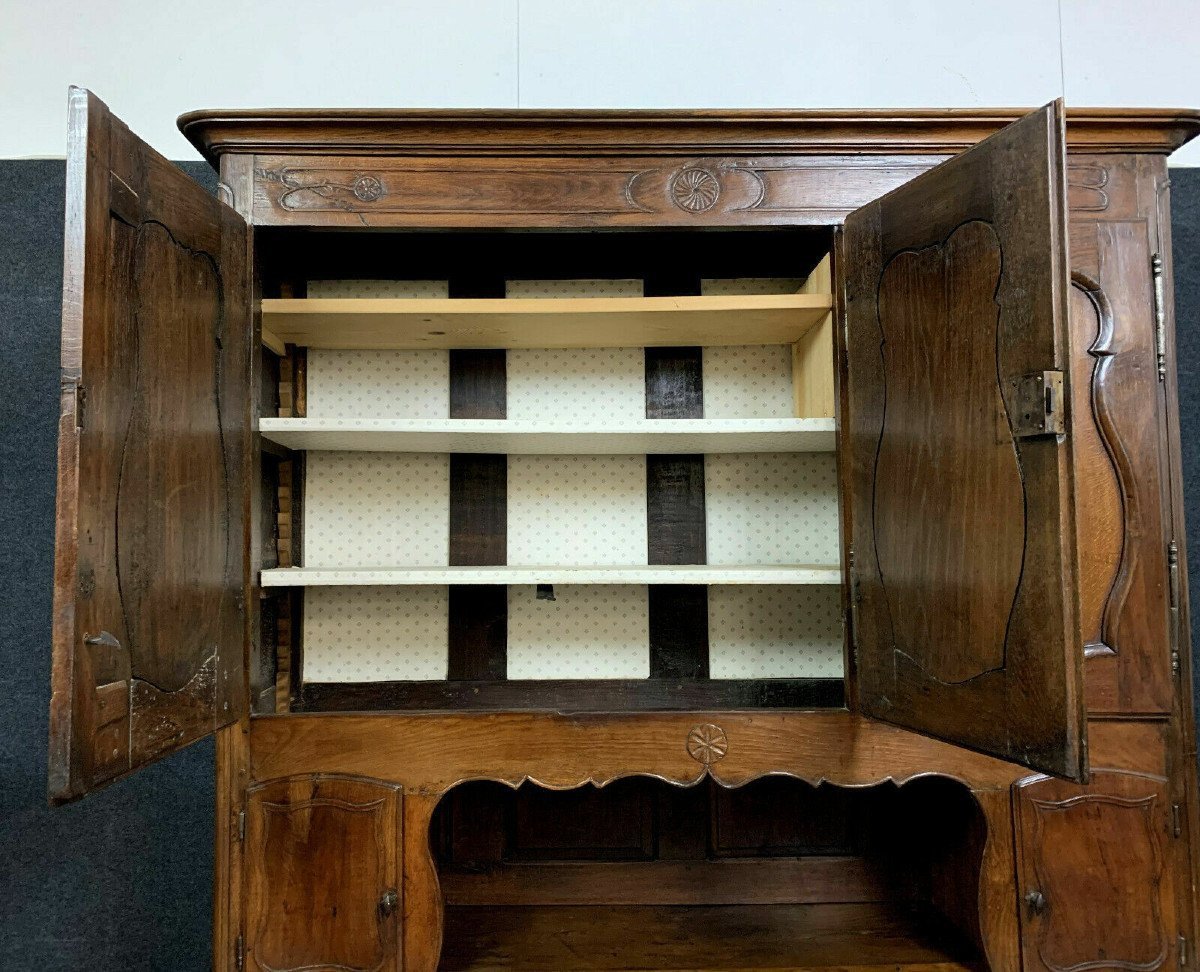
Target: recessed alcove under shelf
x,y
772,875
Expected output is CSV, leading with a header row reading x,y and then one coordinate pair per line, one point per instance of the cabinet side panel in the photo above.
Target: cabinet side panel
x,y
1119,443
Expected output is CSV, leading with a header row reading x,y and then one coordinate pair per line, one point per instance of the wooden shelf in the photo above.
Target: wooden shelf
x,y
573,695
740,937
648,436
580,322
798,574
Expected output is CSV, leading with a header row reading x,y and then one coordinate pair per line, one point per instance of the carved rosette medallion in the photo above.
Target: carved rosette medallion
x,y
695,190
707,744
367,188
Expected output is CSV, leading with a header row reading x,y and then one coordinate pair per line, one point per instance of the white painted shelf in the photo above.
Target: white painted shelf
x,y
517,438
797,574
568,322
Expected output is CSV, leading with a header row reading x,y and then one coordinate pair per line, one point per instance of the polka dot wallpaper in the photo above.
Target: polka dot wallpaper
x,y
742,382
771,508
392,510
379,288
577,385
378,384
586,632
573,288
744,286
368,634
774,632
585,510
376,509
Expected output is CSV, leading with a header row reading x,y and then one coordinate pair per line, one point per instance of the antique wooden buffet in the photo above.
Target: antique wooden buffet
x,y
639,540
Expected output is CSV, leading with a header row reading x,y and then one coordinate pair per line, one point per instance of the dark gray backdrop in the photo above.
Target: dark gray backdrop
x,y
121,881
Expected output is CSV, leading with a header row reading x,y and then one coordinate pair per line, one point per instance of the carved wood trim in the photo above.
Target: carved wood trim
x,y
556,132
427,753
345,188
1102,351
1148,807
424,910
424,916
387,806
626,190
1123,535
1087,187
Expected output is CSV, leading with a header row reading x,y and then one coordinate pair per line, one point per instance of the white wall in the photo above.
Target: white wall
x,y
153,59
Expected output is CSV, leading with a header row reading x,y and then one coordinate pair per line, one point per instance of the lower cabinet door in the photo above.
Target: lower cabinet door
x,y
322,857
1095,873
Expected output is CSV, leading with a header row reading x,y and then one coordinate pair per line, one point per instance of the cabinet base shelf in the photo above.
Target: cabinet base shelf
x,y
677,938
575,695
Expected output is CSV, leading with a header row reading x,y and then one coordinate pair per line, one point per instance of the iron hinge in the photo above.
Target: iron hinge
x,y
1160,315
241,825
1183,950
855,598
80,401
1176,820
1173,601
1038,406
239,953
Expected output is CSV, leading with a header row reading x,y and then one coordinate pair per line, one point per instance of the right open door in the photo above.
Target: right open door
x,y
959,495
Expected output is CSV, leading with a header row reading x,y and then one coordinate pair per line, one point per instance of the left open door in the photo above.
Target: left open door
x,y
151,539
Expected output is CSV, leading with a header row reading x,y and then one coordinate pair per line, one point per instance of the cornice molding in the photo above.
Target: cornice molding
x,y
683,132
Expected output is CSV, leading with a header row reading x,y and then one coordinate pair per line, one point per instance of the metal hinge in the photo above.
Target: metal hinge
x,y
1183,950
855,600
1176,820
1038,406
1173,595
239,953
1160,315
80,401
241,825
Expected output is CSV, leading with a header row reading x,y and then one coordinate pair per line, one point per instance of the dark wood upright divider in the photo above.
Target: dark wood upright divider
x,y
478,615
675,524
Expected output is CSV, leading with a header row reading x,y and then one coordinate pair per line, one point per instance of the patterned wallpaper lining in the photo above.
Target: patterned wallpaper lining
x,y
570,384
400,633
585,632
376,509
392,510
372,634
378,288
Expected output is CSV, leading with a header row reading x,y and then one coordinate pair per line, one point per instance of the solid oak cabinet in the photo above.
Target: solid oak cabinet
x,y
639,540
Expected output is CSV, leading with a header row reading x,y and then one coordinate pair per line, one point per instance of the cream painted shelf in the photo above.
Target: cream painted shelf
x,y
519,438
797,574
581,322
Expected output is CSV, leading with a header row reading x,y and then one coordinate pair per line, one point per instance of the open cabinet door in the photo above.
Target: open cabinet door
x,y
959,503
151,558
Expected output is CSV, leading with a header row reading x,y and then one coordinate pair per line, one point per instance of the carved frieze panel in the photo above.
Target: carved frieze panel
x,y
572,192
